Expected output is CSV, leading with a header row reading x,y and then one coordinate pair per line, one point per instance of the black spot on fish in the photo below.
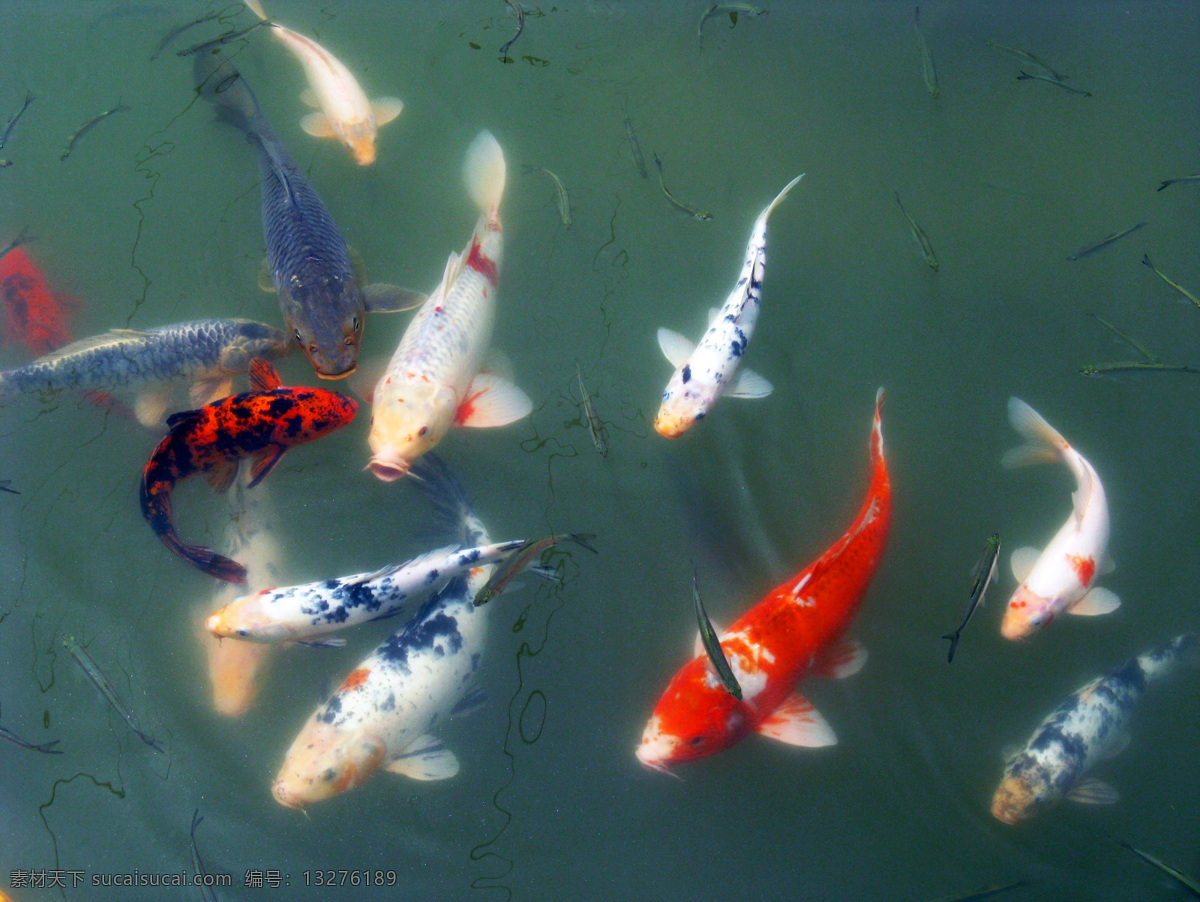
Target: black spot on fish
x,y
432,576
333,708
279,406
389,703
686,374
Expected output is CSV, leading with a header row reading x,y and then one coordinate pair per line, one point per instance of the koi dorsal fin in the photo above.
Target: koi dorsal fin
x,y
263,376
183,416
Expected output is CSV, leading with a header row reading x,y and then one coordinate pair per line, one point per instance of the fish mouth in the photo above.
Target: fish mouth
x,y
286,797
388,471
342,375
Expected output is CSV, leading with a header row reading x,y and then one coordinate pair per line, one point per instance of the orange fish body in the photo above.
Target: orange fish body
x,y
33,314
795,631
262,423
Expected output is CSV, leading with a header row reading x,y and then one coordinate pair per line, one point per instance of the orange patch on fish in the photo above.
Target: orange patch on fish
x,y
1084,567
355,679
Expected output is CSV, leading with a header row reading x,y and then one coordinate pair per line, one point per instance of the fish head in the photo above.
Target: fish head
x,y
324,310
1019,797
360,138
1026,613
684,403
246,618
408,418
695,718
315,412
325,761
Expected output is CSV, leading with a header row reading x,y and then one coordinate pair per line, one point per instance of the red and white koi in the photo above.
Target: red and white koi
x,y
1062,577
796,631
433,380
705,371
345,112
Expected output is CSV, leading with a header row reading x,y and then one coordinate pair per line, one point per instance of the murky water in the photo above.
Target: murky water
x,y
154,219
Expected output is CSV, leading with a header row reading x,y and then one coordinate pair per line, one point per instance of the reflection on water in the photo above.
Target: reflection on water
x,y
153,218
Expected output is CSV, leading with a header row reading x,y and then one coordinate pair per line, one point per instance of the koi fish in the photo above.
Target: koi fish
x,y
706,371
207,353
346,113
262,423
34,316
382,713
97,678
796,631
1061,577
296,613
234,667
319,294
1087,727
434,380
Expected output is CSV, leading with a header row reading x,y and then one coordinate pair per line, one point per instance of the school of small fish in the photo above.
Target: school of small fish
x,y
389,712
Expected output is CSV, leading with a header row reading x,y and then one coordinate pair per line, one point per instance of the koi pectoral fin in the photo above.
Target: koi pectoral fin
x,y
382,297
1097,601
264,463
385,109
492,401
797,722
426,759
318,125
843,660
221,477
675,347
749,384
1090,791
1022,561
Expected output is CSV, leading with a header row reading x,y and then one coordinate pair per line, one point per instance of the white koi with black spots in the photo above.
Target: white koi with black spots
x,y
433,380
705,371
385,711
1088,726
301,613
1060,578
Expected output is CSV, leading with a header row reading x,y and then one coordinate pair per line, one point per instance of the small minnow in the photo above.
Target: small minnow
x,y
346,113
988,892
920,237
1134,366
1024,76
4,487
506,572
1026,56
712,643
927,69
1183,291
226,38
46,747
12,123
177,30
694,213
262,423
706,371
88,126
985,572
1140,348
4,164
1102,244
634,147
734,10
105,688
1088,726
1183,879
296,613
520,14
595,425
207,352
197,862
564,200
1186,178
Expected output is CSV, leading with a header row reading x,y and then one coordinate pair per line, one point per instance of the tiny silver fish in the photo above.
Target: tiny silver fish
x,y
1104,242
105,688
88,126
920,237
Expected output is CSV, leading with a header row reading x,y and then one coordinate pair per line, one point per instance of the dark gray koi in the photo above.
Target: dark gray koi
x,y
105,688
1088,726
1103,243
712,644
985,572
12,123
205,351
319,295
88,126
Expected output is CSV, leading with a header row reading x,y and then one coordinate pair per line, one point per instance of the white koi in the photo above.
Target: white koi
x,y
1088,726
345,112
382,713
434,379
1061,577
301,613
706,371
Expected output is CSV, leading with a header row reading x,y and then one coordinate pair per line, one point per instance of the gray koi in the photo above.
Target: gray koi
x,y
985,572
207,351
319,295
297,613
1088,726
105,688
927,68
1104,242
1027,57
920,237
523,557
88,126
12,123
1183,291
702,215
1026,76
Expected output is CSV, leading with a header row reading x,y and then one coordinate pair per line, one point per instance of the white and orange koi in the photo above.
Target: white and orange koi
x,y
434,379
1062,577
705,371
345,112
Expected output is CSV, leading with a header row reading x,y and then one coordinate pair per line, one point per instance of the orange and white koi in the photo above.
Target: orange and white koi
x,y
433,380
345,112
1062,577
796,631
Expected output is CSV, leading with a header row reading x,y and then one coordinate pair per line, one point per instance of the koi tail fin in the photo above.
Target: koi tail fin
x,y
877,428
484,174
255,7
452,505
205,559
1044,444
778,197
218,82
8,390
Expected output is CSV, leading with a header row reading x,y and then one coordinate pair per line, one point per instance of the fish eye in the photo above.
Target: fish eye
x,y
299,338
357,324
422,430
696,740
